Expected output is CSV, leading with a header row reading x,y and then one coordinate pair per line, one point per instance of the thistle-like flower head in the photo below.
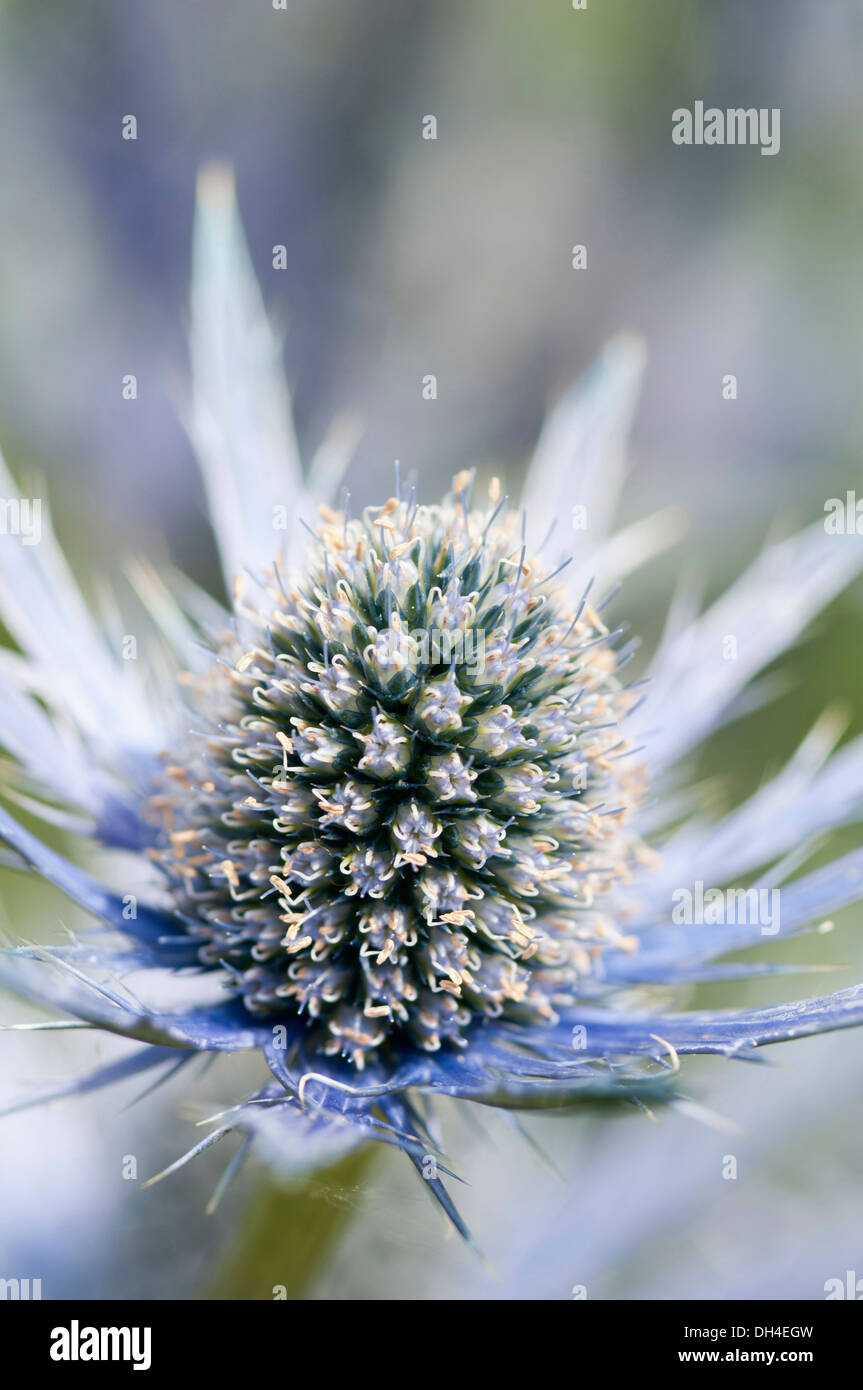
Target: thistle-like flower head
x,y
413,799
396,820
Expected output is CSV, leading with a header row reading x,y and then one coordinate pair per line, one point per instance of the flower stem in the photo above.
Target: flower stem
x,y
282,1238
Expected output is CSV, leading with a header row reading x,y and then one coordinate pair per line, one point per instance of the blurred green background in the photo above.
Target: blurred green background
x,y
451,257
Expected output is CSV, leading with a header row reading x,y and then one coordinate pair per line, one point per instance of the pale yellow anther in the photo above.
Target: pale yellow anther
x,y
461,482
183,837
458,917
229,869
412,857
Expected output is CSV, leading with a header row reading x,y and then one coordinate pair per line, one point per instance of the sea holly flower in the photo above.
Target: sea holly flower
x,y
394,807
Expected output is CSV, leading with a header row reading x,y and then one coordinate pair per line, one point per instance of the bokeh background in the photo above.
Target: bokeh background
x,y
453,257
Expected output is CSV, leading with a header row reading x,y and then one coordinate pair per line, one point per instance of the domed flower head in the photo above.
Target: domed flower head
x,y
412,802
396,812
